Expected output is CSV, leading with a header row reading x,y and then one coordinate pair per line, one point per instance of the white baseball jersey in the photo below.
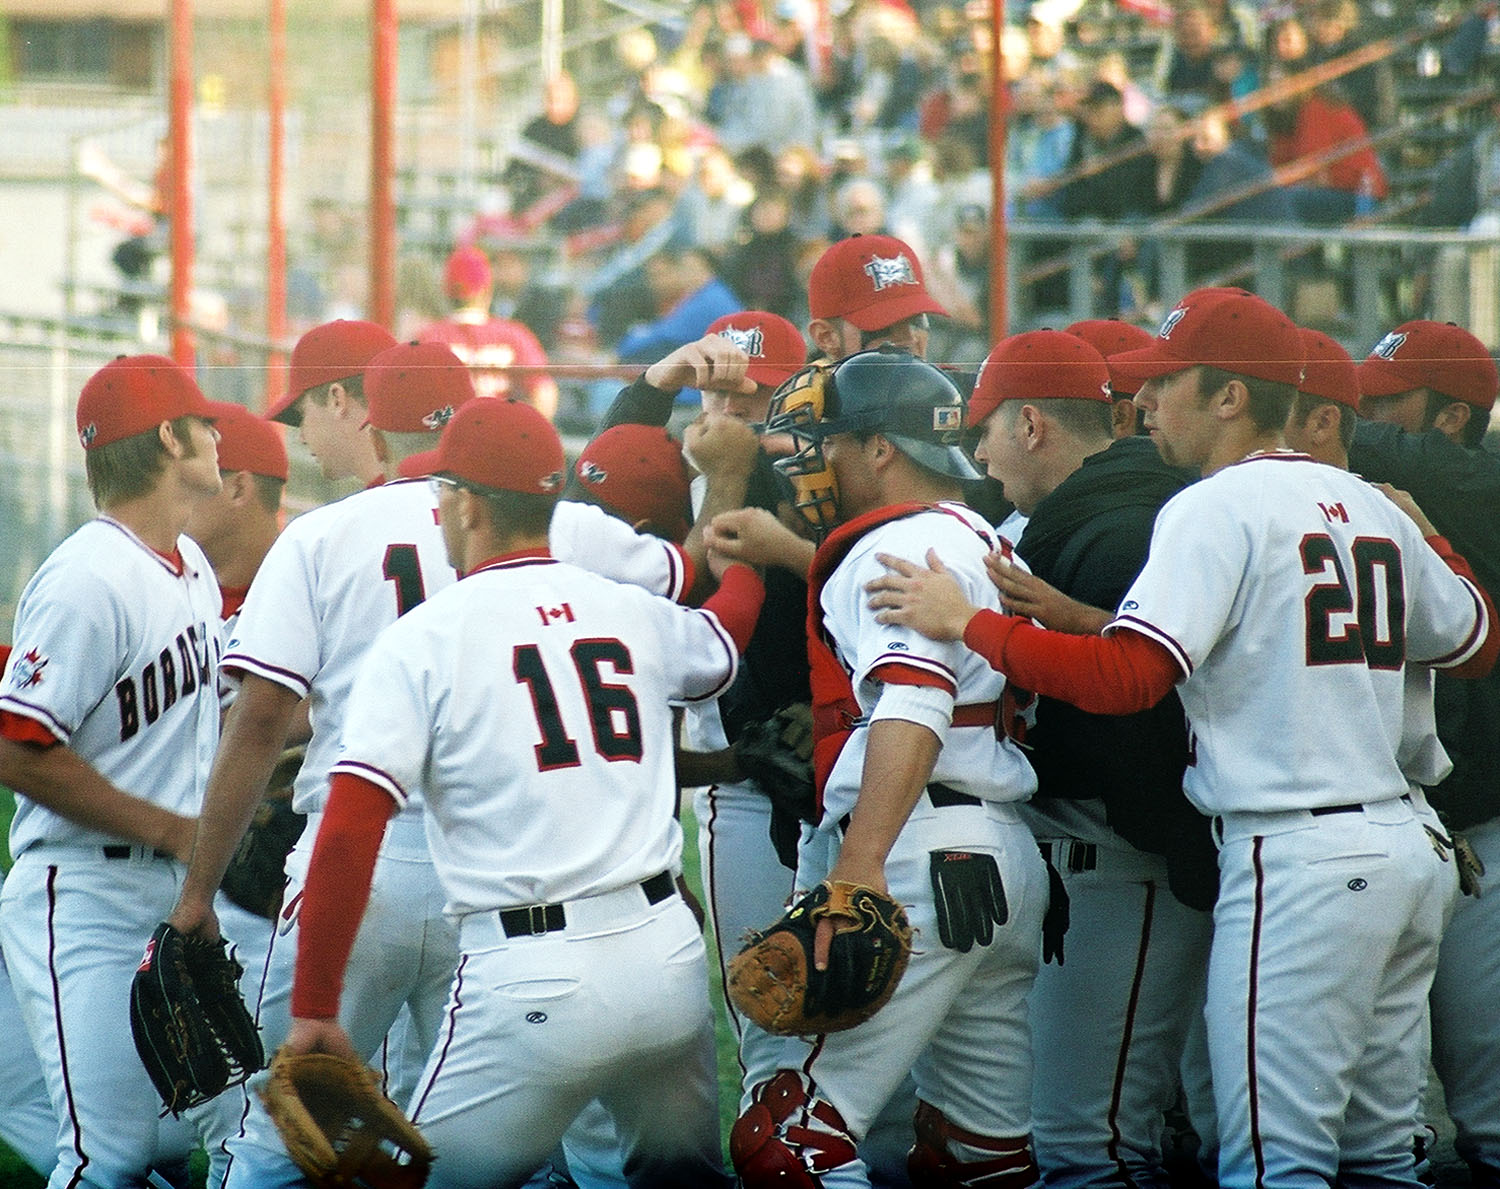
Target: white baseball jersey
x,y
334,577
529,704
1258,624
590,537
116,653
973,759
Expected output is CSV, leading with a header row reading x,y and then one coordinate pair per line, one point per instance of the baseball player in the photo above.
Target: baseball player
x,y
489,345
333,576
1428,389
919,790
1310,593
1135,858
1110,336
109,716
325,398
581,971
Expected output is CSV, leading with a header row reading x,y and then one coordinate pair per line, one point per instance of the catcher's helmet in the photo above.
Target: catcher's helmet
x,y
884,390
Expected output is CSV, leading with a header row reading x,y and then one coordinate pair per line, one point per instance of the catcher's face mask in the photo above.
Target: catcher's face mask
x,y
797,409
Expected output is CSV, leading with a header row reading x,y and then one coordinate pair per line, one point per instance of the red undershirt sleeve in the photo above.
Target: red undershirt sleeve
x,y
1483,661
337,890
1118,674
20,729
737,603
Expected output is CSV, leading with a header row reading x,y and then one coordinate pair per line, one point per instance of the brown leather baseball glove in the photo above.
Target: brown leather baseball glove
x,y
339,1128
772,980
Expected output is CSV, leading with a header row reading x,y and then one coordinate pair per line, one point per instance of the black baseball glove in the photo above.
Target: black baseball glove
x,y
773,982
191,1028
776,753
256,876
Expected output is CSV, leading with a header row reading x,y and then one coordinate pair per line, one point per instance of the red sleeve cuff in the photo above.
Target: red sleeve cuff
x,y
337,890
1482,662
20,729
737,603
896,673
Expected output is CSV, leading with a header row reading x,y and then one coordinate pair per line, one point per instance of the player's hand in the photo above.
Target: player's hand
x,y
194,918
1023,593
718,444
871,876
758,538
1404,501
712,363
928,600
320,1036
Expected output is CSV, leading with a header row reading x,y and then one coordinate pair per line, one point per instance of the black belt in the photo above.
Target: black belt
x,y
536,919
122,851
1073,855
1348,807
941,796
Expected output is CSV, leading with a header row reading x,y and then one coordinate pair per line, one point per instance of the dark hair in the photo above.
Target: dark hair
x,y
129,468
519,513
1082,418
268,490
1474,428
1306,404
1270,400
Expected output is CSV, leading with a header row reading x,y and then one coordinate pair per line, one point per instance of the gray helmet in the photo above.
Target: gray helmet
x,y
890,391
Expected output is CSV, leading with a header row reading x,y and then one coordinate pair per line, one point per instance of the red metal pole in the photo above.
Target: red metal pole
x,y
275,224
179,171
999,239
382,172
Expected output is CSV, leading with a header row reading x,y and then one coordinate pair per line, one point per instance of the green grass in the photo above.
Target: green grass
x,y
16,1175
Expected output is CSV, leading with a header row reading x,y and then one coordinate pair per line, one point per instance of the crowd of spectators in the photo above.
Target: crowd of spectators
x,y
732,147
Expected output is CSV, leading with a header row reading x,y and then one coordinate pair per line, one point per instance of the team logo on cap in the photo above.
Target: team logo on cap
x,y
27,671
749,340
946,418
552,484
438,417
886,271
87,434
1170,324
591,472
1387,347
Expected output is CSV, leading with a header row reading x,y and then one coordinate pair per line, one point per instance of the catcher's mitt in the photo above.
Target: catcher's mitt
x,y
772,980
191,1028
339,1128
776,753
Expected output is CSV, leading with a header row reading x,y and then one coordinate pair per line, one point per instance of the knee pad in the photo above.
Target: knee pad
x,y
932,1164
787,1137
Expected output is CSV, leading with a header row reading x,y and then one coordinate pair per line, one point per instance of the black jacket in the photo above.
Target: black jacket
x,y
1459,489
1089,538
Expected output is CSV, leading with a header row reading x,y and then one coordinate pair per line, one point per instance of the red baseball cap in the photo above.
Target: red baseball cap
x,y
1225,328
871,281
1110,336
1329,373
638,472
776,348
134,393
504,445
249,443
333,351
1039,365
1437,355
467,273
415,388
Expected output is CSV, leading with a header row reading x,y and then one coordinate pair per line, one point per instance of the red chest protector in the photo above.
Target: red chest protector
x,y
835,711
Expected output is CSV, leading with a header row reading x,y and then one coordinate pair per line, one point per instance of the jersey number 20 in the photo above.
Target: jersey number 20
x,y
613,715
1376,603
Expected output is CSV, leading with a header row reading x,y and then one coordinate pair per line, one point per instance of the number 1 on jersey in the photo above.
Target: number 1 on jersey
x,y
404,568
